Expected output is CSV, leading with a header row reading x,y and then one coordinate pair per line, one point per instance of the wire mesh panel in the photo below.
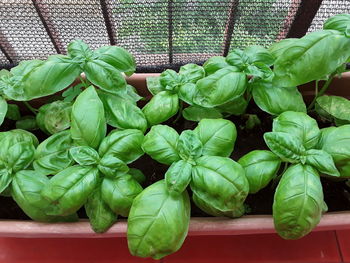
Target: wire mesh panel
x,y
327,9
262,22
23,36
74,19
159,33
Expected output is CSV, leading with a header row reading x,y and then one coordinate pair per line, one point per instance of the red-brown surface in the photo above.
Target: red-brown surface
x,y
316,247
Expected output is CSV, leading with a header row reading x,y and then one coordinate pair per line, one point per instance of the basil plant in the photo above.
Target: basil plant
x,y
100,180
159,216
298,200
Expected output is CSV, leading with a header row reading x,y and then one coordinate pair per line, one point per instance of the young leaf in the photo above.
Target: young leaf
x,y
122,113
26,188
3,109
160,143
338,22
189,146
221,87
238,58
161,107
154,86
77,48
52,155
125,145
5,178
334,108
71,93
214,64
300,125
260,167
156,215
218,136
117,57
120,192
259,54
219,183
170,80
322,161
197,113
100,215
192,72
84,155
68,190
276,100
298,202
104,76
111,166
188,92
287,146
88,126
178,177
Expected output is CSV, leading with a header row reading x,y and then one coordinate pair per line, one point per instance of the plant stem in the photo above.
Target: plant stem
x,y
179,113
278,177
30,107
322,91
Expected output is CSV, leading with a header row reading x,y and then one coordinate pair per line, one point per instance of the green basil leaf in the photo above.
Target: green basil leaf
x,y
287,146
54,117
170,80
298,202
259,54
276,100
160,143
277,48
161,107
62,72
237,58
117,57
100,215
5,72
26,188
52,155
188,92
12,137
111,166
197,113
236,106
154,86
68,190
5,178
13,112
214,64
336,142
260,167
334,108
218,136
178,177
104,76
260,70
137,175
338,22
27,123
300,62
119,193
122,113
192,72
189,146
88,126
3,109
20,156
125,144
84,155
132,95
221,87
77,48
71,93
220,183
156,215
300,125
322,161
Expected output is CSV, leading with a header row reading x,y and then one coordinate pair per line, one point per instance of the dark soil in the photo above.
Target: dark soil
x,y
336,193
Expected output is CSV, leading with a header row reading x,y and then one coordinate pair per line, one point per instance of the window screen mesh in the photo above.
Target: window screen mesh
x,y
159,33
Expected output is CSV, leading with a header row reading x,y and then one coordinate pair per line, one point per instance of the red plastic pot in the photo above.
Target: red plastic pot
x,y
246,239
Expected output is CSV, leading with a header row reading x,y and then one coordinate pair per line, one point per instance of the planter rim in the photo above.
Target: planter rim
x,y
199,226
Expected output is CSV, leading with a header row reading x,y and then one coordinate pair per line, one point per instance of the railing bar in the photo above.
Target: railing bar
x,y
230,27
108,22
